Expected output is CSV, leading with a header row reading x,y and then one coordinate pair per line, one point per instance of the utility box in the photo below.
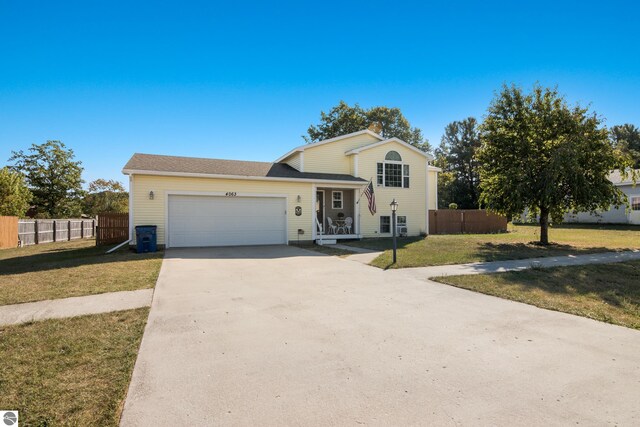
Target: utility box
x,y
146,240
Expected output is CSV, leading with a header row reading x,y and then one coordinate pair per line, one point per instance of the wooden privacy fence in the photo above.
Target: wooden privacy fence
x,y
37,231
8,231
112,228
454,221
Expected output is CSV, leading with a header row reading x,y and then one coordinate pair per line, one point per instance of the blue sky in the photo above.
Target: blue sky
x,y
243,80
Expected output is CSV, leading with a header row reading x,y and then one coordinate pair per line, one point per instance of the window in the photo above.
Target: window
x,y
405,176
392,173
385,224
394,156
401,221
635,203
336,198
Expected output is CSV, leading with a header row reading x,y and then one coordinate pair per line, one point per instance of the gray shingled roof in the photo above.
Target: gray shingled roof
x,y
176,164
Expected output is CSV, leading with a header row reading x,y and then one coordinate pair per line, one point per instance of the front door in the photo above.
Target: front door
x,y
320,207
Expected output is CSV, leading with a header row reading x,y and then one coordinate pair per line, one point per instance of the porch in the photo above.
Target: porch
x,y
336,215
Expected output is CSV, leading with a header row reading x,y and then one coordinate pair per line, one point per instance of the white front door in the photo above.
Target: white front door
x,y
226,221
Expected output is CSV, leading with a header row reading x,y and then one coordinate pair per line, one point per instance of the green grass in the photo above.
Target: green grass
x,y
70,371
75,268
605,292
518,243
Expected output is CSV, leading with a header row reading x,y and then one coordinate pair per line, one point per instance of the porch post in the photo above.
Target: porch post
x,y
314,226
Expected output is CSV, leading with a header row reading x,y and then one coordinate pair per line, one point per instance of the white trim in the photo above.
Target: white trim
x,y
341,199
324,210
251,178
302,161
426,220
436,207
386,141
433,168
130,207
356,212
167,193
355,165
384,174
327,141
313,212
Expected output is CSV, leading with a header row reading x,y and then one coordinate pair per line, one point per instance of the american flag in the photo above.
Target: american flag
x,y
371,197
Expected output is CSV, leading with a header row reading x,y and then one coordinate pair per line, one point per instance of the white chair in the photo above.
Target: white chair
x,y
348,222
332,228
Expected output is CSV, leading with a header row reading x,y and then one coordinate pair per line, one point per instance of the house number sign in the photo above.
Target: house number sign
x,y
231,194
298,210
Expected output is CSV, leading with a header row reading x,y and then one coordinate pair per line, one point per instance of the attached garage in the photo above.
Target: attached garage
x,y
235,220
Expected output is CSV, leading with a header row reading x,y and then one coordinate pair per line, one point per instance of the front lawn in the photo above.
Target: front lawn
x,y
515,244
70,371
75,268
605,292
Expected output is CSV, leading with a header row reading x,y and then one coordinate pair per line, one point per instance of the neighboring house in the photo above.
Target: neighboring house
x,y
210,202
626,214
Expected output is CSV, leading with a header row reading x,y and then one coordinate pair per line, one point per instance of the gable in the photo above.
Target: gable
x,y
331,157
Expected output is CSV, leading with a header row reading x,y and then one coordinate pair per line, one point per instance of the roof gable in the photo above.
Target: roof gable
x,y
386,141
328,141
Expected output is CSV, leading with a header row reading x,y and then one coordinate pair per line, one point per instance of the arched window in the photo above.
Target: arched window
x,y
394,156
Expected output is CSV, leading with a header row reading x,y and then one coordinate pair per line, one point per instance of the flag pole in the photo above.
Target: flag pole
x,y
362,192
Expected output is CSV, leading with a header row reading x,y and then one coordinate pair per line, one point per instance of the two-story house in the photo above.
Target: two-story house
x,y
313,190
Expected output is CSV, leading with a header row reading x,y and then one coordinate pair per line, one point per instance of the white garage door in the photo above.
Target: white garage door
x,y
226,221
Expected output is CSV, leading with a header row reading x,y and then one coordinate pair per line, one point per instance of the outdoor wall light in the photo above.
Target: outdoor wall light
x,y
150,195
299,198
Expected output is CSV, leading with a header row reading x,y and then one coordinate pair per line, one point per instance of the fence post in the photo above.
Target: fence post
x,y
68,229
93,228
462,228
35,231
82,229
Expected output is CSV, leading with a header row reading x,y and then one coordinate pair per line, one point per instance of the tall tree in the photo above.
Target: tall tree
x,y
105,196
456,155
388,122
14,194
626,138
541,155
53,176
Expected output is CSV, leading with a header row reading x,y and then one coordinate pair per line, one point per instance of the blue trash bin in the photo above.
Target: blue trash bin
x,y
146,238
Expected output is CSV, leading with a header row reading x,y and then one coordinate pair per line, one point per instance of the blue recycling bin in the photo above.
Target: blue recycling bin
x,y
146,238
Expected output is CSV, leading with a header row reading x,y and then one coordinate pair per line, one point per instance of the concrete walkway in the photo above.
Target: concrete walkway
x,y
75,306
284,336
516,265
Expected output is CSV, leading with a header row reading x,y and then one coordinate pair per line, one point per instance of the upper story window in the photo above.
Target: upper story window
x,y
393,173
635,203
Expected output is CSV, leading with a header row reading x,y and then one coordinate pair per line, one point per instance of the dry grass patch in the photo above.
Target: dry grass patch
x,y
70,371
605,292
75,268
515,244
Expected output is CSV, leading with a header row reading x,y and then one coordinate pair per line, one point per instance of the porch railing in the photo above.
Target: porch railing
x,y
319,230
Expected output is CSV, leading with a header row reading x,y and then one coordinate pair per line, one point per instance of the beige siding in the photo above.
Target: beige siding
x,y
433,190
412,201
330,158
152,212
294,161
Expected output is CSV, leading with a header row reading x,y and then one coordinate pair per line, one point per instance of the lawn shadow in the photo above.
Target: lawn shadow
x,y
53,258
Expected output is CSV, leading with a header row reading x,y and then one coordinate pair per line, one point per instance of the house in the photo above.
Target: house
x,y
629,214
314,191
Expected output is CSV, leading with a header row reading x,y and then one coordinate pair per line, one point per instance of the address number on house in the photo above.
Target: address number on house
x,y
231,194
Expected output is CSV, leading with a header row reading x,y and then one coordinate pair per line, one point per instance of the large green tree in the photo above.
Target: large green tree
x,y
105,196
456,157
388,122
14,193
53,176
541,155
626,138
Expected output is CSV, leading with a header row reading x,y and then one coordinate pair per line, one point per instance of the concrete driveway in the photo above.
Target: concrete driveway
x,y
284,336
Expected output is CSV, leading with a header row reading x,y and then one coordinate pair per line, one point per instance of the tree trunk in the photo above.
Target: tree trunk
x,y
544,226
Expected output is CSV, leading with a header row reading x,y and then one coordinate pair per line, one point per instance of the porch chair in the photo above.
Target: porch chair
x,y
332,228
348,222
